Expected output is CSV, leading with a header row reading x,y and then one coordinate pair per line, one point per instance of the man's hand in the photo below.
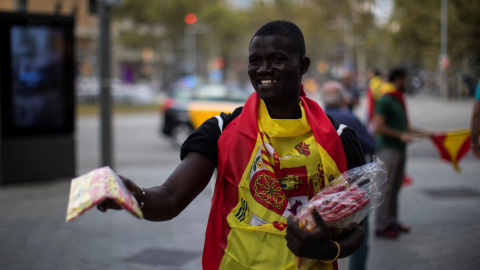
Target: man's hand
x,y
316,244
111,204
406,137
476,149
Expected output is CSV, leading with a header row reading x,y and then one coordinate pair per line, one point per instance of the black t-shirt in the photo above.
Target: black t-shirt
x,y
204,139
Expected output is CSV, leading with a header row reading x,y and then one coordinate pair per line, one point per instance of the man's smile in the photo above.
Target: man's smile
x,y
267,82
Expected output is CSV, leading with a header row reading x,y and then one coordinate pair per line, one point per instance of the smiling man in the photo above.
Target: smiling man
x,y
272,156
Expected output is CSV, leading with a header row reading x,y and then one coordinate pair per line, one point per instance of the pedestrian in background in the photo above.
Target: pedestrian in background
x,y
376,87
475,122
393,132
352,94
333,98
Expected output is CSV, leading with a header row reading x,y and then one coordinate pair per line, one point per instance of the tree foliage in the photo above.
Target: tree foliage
x,y
418,40
331,27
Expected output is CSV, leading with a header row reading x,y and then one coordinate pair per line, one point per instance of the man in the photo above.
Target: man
x,y
393,132
376,88
334,101
475,123
352,94
272,155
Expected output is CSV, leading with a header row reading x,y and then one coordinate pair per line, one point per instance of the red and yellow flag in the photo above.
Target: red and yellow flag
x,y
452,145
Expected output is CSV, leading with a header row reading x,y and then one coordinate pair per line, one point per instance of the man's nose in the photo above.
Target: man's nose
x,y
265,66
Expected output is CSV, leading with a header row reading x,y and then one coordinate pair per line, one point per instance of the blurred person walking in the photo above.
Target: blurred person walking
x,y
375,89
475,123
333,98
393,132
352,94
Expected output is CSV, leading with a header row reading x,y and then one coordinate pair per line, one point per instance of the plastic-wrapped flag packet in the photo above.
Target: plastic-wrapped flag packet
x,y
346,200
93,188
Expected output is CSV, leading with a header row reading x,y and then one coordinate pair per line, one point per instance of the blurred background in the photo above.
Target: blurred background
x,y
157,43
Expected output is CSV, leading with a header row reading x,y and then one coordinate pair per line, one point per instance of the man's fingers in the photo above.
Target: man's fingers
x,y
292,228
319,220
101,207
129,184
108,204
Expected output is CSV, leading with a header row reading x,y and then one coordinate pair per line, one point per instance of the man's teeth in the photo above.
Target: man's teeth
x,y
268,81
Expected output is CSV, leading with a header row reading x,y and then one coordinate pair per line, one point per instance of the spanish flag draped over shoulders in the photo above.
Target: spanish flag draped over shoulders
x,y
259,185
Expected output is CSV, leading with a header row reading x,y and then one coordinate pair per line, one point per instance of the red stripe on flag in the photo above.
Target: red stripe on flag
x,y
438,143
335,265
267,163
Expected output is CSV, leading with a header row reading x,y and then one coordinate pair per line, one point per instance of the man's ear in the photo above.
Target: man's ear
x,y
304,64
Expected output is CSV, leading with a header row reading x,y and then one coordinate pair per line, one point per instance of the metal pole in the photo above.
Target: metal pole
x,y
443,46
444,11
22,5
104,84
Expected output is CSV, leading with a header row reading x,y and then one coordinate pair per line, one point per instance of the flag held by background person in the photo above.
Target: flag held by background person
x,y
452,145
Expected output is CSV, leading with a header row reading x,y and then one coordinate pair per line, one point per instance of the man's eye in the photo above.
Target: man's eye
x,y
277,59
253,61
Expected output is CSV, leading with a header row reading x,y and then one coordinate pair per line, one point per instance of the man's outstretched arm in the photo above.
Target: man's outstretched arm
x,y
165,202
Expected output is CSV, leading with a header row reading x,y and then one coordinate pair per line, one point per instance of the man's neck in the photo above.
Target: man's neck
x,y
284,111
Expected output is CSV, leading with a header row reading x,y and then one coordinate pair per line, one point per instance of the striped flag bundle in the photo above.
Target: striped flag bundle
x,y
346,200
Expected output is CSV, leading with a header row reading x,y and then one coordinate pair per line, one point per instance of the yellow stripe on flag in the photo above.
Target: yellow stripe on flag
x,y
453,143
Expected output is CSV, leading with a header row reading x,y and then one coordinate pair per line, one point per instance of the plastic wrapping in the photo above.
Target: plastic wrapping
x,y
94,187
346,200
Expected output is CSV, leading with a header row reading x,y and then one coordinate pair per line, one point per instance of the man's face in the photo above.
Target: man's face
x,y
275,68
401,83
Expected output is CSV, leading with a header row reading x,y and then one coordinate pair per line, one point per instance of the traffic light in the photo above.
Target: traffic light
x,y
190,18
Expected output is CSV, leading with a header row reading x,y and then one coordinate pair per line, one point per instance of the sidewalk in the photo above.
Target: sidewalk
x,y
445,228
442,208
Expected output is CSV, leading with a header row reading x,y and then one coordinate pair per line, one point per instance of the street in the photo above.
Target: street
x,y
441,206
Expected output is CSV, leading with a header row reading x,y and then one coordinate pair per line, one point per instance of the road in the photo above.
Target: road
x,y
33,233
138,143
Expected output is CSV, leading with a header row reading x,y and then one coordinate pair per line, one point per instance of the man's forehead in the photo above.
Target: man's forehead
x,y
272,42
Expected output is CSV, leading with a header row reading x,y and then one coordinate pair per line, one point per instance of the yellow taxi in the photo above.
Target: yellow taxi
x,y
187,108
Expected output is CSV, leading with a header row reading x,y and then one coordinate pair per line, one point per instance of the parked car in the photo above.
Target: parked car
x,y
187,108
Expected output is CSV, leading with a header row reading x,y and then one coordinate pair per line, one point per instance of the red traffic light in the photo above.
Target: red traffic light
x,y
190,18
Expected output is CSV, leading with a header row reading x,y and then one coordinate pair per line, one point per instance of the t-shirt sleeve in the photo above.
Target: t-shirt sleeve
x,y
381,106
204,139
352,148
477,91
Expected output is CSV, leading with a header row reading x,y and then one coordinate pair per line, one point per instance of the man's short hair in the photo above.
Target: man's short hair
x,y
285,29
333,94
397,73
375,71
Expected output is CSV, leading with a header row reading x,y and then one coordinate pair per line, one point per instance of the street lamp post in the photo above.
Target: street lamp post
x,y
106,149
104,84
443,59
